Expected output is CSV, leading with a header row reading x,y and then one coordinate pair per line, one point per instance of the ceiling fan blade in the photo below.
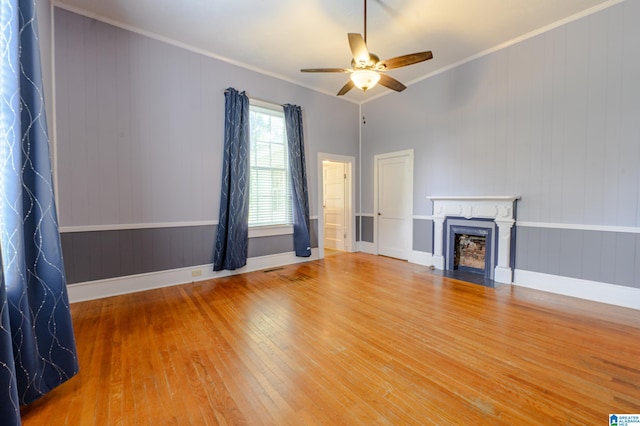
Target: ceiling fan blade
x,y
358,49
404,60
346,88
391,83
326,70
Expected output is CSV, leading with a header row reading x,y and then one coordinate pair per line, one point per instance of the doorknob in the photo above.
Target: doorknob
x,y
379,214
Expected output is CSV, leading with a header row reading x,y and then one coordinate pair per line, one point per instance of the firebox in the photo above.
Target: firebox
x,y
470,246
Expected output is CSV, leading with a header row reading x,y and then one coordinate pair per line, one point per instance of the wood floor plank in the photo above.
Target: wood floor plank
x,y
350,339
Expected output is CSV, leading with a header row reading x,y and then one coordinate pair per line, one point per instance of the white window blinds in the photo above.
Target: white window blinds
x,y
269,182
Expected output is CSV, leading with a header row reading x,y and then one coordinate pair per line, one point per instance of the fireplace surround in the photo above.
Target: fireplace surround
x,y
499,209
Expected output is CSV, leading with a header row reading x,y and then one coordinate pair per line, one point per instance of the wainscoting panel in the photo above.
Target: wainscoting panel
x,y
366,229
601,256
313,232
264,246
99,255
422,235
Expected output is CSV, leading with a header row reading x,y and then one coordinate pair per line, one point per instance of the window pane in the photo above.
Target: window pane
x,y
269,187
278,158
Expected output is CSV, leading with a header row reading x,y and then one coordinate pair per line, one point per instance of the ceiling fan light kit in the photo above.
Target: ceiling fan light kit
x,y
365,79
367,68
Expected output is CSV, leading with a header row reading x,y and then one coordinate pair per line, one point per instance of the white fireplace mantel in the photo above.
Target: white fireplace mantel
x,y
499,208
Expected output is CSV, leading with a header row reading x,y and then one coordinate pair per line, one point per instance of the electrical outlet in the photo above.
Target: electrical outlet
x,y
196,272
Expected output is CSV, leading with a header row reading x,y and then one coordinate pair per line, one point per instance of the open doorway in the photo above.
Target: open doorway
x,y
336,221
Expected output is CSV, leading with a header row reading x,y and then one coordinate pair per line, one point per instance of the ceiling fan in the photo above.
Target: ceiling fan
x,y
367,69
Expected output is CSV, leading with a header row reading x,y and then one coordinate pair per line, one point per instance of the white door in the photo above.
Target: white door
x,y
394,203
335,220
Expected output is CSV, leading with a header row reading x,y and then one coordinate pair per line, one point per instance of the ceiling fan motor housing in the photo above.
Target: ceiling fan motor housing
x,y
370,64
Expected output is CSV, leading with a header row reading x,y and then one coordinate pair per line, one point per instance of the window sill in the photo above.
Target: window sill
x,y
269,231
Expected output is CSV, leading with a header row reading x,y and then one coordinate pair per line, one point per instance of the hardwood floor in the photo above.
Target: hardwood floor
x,y
351,339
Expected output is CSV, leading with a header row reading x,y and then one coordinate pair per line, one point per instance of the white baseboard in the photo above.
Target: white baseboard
x,y
503,275
438,262
130,284
421,258
628,297
367,247
611,294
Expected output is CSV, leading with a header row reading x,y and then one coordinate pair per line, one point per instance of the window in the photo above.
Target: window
x,y
269,181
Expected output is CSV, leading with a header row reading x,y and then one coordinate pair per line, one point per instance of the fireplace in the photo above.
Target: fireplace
x,y
488,219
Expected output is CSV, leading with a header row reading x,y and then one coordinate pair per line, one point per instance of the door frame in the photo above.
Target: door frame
x,y
409,187
350,199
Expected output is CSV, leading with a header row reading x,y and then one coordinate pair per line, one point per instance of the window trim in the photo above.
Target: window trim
x,y
270,230
256,231
266,105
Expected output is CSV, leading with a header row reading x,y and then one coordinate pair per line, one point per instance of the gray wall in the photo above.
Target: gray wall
x,y
554,119
140,127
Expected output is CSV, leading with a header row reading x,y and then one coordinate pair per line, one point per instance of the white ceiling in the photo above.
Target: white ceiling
x,y
279,37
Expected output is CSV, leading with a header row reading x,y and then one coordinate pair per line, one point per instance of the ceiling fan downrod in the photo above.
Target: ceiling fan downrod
x,y
365,21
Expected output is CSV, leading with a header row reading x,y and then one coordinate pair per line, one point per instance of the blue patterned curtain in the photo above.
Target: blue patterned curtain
x,y
9,405
33,295
300,194
233,224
